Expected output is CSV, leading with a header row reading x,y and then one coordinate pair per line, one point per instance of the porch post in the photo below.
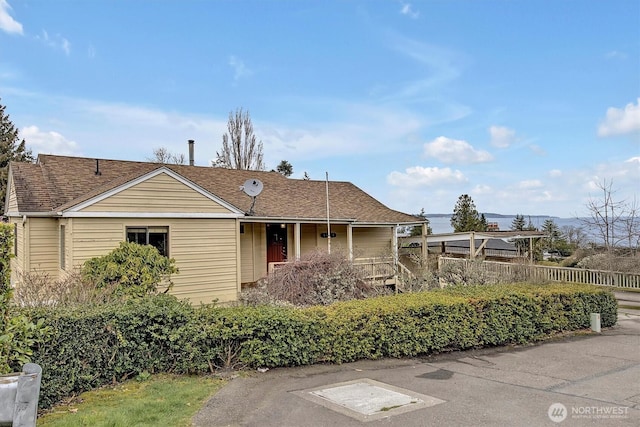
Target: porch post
x,y
425,248
296,240
350,240
472,245
394,246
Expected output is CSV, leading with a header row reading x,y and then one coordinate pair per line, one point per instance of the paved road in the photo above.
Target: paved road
x,y
595,377
629,302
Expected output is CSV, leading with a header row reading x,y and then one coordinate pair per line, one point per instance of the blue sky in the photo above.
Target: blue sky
x,y
523,105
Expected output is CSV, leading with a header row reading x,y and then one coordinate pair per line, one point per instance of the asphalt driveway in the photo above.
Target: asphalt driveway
x,y
584,379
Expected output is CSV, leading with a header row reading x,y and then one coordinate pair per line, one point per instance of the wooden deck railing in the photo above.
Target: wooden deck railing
x,y
554,274
379,270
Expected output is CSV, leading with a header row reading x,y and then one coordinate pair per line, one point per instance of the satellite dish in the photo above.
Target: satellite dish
x,y
252,187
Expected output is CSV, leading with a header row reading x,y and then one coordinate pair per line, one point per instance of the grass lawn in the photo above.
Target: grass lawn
x,y
160,400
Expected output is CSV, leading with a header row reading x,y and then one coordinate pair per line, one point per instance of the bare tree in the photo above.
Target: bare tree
x,y
630,226
240,147
575,236
613,221
164,156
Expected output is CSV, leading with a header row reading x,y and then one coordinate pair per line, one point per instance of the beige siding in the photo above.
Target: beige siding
x,y
161,193
17,263
253,256
372,241
204,250
253,247
309,237
13,200
43,245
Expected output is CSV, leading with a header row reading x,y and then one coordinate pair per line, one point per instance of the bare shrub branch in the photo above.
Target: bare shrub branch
x,y
39,289
318,278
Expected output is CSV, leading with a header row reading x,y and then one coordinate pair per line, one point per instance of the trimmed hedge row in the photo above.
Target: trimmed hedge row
x,y
91,346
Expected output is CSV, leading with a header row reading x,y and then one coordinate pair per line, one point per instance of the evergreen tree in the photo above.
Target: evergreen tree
x,y
555,240
12,148
417,230
285,168
484,224
518,223
465,216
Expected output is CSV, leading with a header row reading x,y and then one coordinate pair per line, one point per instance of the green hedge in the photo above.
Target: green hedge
x,y
91,346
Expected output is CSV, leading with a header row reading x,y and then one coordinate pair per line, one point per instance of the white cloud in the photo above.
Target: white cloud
x,y
501,136
482,189
529,184
616,54
536,149
555,173
438,64
621,121
7,23
449,150
240,70
418,176
407,10
48,142
55,42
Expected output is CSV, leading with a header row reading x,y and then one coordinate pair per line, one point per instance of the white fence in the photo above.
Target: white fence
x,y
554,274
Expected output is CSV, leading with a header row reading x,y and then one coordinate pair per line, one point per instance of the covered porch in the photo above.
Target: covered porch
x,y
267,244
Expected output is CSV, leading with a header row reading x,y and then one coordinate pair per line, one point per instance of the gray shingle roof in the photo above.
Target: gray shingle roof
x,y
56,183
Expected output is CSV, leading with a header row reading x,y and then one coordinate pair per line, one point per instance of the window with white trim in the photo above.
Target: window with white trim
x,y
158,237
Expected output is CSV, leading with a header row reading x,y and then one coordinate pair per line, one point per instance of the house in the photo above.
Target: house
x,y
66,210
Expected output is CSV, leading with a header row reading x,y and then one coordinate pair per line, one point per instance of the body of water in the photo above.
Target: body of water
x,y
443,224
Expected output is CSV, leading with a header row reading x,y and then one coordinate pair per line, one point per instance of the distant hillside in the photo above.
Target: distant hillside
x,y
489,215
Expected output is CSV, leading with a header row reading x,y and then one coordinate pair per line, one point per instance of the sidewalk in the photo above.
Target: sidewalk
x,y
591,379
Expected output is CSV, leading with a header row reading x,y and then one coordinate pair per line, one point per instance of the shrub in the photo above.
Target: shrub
x,y
134,269
38,288
91,346
18,334
318,278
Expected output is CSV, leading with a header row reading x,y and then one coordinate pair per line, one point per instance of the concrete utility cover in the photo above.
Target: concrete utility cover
x,y
368,400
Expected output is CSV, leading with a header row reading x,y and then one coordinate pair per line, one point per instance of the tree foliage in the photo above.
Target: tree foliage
x,y
417,230
18,334
164,156
554,241
12,148
136,270
285,168
240,147
466,217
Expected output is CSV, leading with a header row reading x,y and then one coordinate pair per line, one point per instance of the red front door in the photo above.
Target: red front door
x,y
276,243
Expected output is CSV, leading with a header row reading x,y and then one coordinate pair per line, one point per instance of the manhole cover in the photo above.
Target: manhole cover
x,y
368,400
